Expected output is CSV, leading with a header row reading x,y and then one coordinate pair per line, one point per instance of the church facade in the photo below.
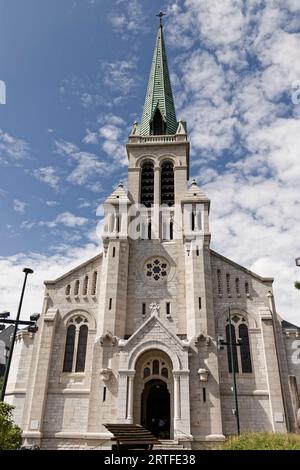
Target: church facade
x,y
136,334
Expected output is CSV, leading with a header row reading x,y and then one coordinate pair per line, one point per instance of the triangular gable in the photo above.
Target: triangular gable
x,y
139,334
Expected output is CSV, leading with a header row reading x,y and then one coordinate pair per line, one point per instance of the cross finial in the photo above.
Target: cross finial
x,y
160,15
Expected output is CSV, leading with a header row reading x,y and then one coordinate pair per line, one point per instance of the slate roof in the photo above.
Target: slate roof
x,y
159,91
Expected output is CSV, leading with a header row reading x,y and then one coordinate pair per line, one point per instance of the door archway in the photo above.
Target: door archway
x,y
156,408
154,383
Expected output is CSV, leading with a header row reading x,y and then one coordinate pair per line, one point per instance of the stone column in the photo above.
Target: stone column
x,y
130,376
122,396
156,215
277,410
37,392
176,375
185,403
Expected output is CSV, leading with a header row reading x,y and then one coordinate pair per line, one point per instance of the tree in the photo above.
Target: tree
x,y
10,434
297,285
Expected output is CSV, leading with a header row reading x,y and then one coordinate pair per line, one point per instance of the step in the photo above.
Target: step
x,y
158,447
168,444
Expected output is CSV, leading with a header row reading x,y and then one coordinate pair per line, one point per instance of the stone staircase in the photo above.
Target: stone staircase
x,y
168,444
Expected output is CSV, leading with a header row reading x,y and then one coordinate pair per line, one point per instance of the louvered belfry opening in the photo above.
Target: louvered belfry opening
x,y
158,126
167,183
147,184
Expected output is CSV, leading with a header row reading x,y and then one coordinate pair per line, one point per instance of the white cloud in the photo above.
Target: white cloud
x,y
51,203
90,137
67,219
12,150
45,266
128,17
47,175
113,134
234,92
83,203
65,148
19,206
120,75
27,224
88,167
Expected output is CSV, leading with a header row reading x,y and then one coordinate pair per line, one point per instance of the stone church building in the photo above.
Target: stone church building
x,y
134,334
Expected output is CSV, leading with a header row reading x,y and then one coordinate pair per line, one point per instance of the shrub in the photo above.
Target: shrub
x,y
10,434
263,441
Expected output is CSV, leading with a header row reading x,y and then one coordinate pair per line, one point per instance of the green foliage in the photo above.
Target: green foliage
x,y
297,285
263,441
10,434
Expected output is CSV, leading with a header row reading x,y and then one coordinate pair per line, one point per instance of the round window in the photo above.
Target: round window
x,y
156,268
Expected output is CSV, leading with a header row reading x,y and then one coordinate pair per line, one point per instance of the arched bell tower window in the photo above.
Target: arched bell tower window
x,y
147,184
157,125
167,183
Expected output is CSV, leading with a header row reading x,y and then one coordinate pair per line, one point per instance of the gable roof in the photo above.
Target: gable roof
x,y
238,266
82,265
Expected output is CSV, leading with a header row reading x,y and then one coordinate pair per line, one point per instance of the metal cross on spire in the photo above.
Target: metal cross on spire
x,y
160,15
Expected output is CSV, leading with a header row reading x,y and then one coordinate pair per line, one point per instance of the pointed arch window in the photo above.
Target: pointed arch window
x,y
94,284
171,230
76,345
147,184
167,183
237,285
68,289
241,353
155,367
76,288
69,349
81,348
85,285
157,125
234,348
219,281
149,230
245,349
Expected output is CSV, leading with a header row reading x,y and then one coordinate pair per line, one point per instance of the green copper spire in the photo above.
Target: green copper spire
x,y
159,116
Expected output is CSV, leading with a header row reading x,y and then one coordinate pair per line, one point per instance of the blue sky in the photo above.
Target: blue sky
x,y
76,74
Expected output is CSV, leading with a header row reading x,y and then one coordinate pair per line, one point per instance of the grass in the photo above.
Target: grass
x,y
263,441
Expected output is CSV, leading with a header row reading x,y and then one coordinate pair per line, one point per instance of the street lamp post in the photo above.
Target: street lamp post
x,y
26,271
231,344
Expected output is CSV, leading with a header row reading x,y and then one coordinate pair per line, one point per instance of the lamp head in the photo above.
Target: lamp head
x,y
27,271
298,261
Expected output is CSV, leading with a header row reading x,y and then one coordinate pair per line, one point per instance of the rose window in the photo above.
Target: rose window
x,y
156,269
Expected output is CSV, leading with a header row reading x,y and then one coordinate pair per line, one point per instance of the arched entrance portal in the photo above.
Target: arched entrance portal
x,y
153,393
156,408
